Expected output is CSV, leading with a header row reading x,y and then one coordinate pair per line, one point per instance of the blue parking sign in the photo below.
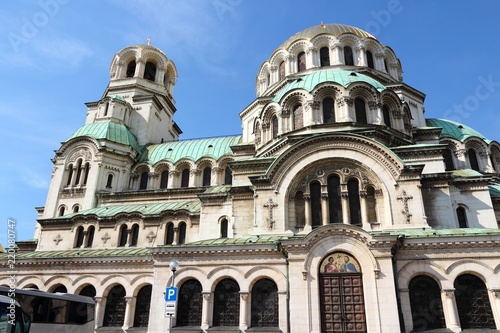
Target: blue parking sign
x,y
171,294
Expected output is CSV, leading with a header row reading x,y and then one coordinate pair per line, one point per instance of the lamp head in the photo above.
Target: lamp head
x,y
174,265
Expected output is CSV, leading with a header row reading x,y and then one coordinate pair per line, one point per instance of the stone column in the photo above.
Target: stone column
x,y
244,315
325,216
361,56
140,66
495,304
100,303
128,312
160,73
307,212
345,207
336,54
364,208
207,310
176,236
450,310
174,179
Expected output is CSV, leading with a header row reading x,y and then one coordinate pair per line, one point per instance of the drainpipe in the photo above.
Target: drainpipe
x,y
394,251
280,248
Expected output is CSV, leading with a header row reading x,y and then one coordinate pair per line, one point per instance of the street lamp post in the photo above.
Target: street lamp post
x,y
174,266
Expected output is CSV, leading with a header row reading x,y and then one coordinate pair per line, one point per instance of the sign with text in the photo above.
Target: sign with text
x,y
170,301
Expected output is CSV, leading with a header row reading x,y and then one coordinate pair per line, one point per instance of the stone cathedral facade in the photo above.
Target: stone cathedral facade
x,y
339,208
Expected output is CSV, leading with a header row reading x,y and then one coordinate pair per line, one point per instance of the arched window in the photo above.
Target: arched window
x,y
324,56
493,164
207,176
223,228
150,71
109,181
334,199
387,116
169,234
282,72
301,62
348,56
190,304
474,164
86,173
226,303
426,305
76,209
80,234
360,109
315,189
106,109
182,233
164,179
123,235
114,313
134,235
264,308
143,185
185,178
448,160
88,291
354,204
78,172
328,111
298,117
274,124
369,59
371,204
300,210
462,217
62,209
70,175
386,67
228,176
131,69
90,236
473,303
268,79
60,289
142,307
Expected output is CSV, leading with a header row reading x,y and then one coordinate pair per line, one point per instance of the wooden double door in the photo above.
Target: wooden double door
x,y
342,303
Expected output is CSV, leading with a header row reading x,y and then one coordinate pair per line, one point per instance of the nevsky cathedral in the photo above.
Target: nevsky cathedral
x,y
339,208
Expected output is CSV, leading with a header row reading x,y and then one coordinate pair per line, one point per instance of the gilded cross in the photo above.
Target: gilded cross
x,y
270,205
406,211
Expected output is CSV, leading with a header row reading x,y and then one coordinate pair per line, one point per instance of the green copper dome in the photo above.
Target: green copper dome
x,y
454,130
342,77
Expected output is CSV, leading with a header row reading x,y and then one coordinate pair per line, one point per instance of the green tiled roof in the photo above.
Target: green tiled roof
x,y
494,191
108,130
81,253
147,209
465,173
239,241
454,130
342,77
458,232
190,149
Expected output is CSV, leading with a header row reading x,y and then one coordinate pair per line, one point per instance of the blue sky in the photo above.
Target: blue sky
x,y
55,56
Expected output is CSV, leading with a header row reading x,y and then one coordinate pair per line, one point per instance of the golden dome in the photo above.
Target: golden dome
x,y
333,29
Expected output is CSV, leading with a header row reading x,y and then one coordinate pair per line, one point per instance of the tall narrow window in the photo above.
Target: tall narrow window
x,y
334,199
70,174
328,111
164,179
169,234
324,56
493,164
301,62
80,234
462,217
134,235
386,67
109,181
316,216
182,233
106,109
86,173
264,308
88,291
274,124
348,56
190,304
143,185
223,228
371,204
473,303
78,172
282,70
62,209
474,164
300,210
185,178
226,311
387,116
207,176
369,59
131,69
142,307
114,313
426,305
60,289
448,160
360,109
298,117
76,209
354,204
122,241
150,71
228,176
90,236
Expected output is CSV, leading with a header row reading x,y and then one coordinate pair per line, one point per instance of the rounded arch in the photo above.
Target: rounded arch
x,y
299,46
223,272
141,280
428,268
474,267
279,56
113,280
85,279
24,282
258,272
186,273
53,281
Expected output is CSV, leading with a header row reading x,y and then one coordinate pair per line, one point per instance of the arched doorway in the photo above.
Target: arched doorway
x,y
473,303
341,294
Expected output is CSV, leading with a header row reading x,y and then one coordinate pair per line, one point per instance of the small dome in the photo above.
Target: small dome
x,y
334,29
454,130
109,131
